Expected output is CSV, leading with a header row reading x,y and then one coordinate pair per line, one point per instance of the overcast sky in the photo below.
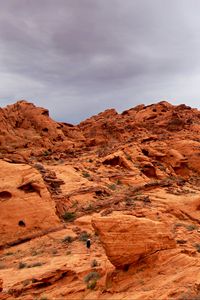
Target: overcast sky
x,y
80,57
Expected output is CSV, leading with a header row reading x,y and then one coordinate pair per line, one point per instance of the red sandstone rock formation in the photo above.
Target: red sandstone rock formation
x,y
128,239
26,207
139,169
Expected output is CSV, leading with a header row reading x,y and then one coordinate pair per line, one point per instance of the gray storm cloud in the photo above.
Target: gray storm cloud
x,y
79,57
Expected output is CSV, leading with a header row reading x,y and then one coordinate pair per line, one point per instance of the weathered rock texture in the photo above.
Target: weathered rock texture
x,y
128,239
135,174
25,204
28,130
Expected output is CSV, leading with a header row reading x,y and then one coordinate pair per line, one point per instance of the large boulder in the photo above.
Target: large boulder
x,y
127,239
26,207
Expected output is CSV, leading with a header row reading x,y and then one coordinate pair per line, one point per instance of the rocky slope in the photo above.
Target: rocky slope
x,y
128,181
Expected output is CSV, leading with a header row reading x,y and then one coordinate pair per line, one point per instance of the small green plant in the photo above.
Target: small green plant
x,y
128,157
22,265
91,276
68,239
46,153
69,216
84,236
197,246
92,284
177,225
89,207
94,263
86,174
75,204
36,264
129,201
112,187
191,227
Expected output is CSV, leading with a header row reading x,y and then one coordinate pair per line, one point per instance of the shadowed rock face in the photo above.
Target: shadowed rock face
x,y
128,239
1,285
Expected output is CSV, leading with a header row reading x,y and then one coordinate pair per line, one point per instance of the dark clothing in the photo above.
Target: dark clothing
x,y
88,244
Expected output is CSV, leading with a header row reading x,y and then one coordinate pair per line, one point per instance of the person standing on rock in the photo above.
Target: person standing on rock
x,y
88,244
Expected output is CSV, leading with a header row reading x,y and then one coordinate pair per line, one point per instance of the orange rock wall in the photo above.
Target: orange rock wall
x,y
25,204
127,239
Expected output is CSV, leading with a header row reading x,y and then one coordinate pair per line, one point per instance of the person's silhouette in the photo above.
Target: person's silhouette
x,y
88,244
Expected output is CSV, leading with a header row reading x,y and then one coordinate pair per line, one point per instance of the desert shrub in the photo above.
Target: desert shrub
x,y
9,253
177,225
92,284
91,276
129,201
89,207
191,227
197,246
36,264
22,265
69,216
46,153
181,242
112,187
94,263
68,239
84,236
86,174
128,156
75,204
118,182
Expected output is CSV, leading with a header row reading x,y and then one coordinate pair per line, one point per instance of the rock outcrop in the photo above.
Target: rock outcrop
x,y
128,239
135,174
28,130
25,204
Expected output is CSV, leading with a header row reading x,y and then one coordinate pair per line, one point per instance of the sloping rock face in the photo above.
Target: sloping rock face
x,y
28,130
127,239
25,204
